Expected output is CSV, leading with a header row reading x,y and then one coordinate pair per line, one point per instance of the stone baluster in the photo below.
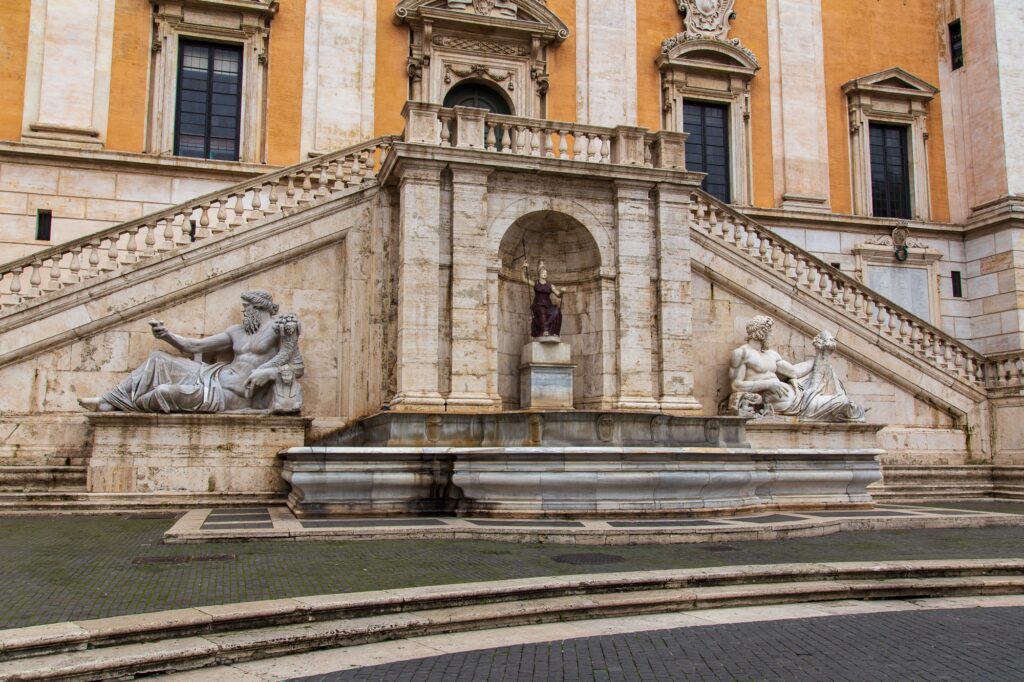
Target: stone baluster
x,y
182,223
520,144
1018,364
239,218
506,139
489,136
306,195
892,323
563,144
717,229
14,287
907,333
738,233
92,263
357,169
203,227
54,283
446,129
110,264
166,242
35,280
549,147
72,273
778,258
149,243
222,216
764,250
938,351
256,210
580,146
272,205
290,191
753,242
131,247
838,294
801,270
535,143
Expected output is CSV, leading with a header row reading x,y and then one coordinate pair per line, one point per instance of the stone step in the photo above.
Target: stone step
x,y
42,478
200,637
78,501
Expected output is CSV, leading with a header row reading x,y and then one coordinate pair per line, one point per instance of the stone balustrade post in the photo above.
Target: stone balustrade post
x,y
628,146
670,150
421,123
469,127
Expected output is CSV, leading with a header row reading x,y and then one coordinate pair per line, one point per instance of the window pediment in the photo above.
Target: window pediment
x,y
712,54
894,82
509,17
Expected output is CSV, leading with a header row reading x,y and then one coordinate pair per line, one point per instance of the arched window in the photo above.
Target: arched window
x,y
477,95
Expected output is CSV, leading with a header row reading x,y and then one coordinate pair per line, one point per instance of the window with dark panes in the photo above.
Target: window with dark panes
x,y
956,45
209,100
890,171
707,147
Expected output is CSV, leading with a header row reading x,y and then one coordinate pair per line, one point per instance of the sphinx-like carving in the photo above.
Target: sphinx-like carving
x,y
811,390
261,375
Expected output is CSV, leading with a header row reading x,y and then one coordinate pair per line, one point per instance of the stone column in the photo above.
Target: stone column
x,y
472,389
418,287
675,303
634,293
797,61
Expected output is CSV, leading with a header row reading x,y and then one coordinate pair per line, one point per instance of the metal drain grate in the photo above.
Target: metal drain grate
x,y
588,559
183,559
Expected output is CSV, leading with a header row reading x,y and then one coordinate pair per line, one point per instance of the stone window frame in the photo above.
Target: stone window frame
x,y
239,22
895,97
501,44
717,71
879,251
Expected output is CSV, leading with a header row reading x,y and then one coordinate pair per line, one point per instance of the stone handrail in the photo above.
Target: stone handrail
x,y
471,128
226,210
812,275
1005,372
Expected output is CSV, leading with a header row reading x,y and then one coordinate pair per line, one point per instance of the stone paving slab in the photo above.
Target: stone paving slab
x,y
68,568
280,523
919,644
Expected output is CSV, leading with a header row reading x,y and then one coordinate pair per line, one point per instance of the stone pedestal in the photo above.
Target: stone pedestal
x,y
190,453
545,375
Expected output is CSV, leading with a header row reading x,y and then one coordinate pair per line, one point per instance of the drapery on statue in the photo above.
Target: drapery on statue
x,y
266,351
812,390
547,300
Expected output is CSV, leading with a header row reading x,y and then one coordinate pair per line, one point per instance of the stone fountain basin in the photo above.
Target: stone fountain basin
x,y
573,481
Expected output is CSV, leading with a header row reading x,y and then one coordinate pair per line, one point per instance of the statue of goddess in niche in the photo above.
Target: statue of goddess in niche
x,y
547,299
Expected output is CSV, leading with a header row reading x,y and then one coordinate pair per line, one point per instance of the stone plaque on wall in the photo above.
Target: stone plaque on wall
x,y
905,286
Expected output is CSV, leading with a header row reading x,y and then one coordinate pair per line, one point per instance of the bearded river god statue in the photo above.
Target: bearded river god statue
x,y
811,390
260,377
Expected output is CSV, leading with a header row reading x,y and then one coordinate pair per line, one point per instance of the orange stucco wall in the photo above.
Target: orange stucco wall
x,y
901,34
129,75
562,66
657,21
392,81
284,84
13,58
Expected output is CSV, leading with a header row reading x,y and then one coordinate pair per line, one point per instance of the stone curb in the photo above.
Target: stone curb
x,y
186,532
213,635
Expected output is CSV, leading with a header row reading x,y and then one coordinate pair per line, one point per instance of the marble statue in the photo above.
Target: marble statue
x,y
261,375
809,390
546,307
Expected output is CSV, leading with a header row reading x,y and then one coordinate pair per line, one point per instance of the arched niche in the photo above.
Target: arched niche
x,y
573,260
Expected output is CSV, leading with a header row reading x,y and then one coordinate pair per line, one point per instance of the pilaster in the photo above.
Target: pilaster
x,y
675,302
634,294
418,286
472,387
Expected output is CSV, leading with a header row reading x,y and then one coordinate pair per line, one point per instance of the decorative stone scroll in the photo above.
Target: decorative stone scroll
x,y
261,375
706,18
812,390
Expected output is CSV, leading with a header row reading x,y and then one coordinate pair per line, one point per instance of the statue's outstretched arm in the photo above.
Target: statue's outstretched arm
x,y
188,345
526,273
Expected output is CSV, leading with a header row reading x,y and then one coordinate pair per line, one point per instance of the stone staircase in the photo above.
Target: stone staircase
x,y
58,479
109,253
205,637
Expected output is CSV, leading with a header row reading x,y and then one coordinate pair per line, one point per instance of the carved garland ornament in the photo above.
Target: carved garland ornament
x,y
485,46
486,8
480,71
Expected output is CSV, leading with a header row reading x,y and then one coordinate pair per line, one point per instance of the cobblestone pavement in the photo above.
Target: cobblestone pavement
x,y
958,644
77,567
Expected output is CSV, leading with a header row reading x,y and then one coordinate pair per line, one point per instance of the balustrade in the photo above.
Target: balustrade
x,y
228,210
845,294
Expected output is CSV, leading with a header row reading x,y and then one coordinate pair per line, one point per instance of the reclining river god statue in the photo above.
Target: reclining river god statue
x,y
809,390
261,375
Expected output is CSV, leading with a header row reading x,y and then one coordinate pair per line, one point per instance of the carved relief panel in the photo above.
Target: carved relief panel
x,y
499,43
